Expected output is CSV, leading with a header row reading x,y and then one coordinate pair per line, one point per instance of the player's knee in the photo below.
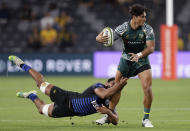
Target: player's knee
x,y
147,84
44,109
40,109
43,86
147,89
39,83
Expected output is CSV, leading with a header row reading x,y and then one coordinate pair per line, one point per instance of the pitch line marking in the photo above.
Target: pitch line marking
x,y
88,120
125,108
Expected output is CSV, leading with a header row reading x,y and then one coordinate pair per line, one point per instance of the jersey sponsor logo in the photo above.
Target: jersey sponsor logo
x,y
135,42
95,104
141,36
134,38
107,102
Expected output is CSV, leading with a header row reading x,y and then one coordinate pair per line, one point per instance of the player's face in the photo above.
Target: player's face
x,y
141,19
111,83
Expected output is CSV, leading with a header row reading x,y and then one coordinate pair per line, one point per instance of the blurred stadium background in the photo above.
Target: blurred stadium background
x,y
73,55
18,18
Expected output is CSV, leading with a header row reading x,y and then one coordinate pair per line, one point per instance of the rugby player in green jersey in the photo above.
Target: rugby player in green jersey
x,y
139,42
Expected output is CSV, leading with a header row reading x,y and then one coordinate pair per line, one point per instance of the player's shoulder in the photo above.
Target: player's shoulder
x,y
90,89
122,28
99,85
147,28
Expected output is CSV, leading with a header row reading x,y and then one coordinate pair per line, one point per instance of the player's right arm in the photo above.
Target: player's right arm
x,y
116,34
120,30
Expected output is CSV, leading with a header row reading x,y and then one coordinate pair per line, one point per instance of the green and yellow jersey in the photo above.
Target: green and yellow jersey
x,y
134,40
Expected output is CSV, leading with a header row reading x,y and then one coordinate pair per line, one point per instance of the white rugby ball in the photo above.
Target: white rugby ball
x,y
108,32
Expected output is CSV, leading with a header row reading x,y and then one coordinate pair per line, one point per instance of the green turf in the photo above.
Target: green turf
x,y
170,109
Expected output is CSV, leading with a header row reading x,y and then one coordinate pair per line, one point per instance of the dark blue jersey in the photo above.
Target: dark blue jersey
x,y
85,103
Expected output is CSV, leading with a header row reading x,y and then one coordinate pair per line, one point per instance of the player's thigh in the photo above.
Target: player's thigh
x,y
118,76
48,89
146,78
123,68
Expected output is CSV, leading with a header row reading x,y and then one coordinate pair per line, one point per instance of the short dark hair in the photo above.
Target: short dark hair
x,y
111,79
137,10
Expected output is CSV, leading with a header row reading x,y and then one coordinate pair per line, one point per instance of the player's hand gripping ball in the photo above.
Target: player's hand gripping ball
x,y
108,32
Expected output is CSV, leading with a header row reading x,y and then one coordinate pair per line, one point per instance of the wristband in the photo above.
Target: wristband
x,y
139,54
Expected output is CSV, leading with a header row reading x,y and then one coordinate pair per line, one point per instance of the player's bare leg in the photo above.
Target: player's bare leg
x,y
45,87
38,77
146,82
43,108
41,84
116,97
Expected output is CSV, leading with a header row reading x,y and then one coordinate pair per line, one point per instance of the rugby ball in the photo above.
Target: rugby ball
x,y
108,32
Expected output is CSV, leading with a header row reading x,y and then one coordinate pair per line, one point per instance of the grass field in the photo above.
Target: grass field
x,y
170,109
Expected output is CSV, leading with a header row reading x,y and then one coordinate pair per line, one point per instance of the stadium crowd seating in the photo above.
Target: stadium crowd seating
x,y
89,17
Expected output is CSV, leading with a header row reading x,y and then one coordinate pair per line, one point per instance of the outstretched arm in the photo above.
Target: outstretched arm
x,y
105,93
112,116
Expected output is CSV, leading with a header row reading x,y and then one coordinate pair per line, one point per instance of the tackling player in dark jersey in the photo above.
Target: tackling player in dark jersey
x,y
67,103
138,42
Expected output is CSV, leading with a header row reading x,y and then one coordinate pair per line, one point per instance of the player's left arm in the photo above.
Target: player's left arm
x,y
112,115
149,49
105,93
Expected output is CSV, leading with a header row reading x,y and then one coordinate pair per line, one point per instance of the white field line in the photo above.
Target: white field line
x,y
122,108
29,120
87,121
157,109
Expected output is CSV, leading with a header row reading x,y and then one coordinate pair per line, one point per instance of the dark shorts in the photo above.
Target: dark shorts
x,y
129,69
62,105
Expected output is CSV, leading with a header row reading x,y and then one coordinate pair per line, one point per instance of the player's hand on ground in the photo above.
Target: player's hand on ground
x,y
101,39
134,57
102,109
